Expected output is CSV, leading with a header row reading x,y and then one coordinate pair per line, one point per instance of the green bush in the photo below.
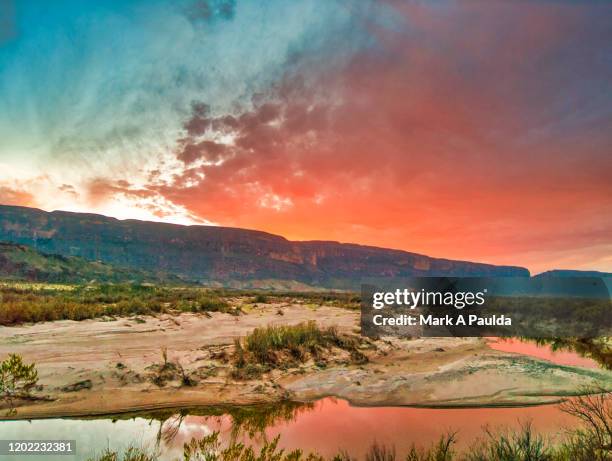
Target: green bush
x,y
519,446
263,344
212,304
260,299
16,379
288,345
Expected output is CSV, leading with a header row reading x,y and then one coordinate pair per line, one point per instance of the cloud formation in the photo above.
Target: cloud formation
x,y
455,129
10,196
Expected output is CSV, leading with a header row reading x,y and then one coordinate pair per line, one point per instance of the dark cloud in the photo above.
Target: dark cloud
x,y
101,189
471,131
69,189
199,122
265,130
204,150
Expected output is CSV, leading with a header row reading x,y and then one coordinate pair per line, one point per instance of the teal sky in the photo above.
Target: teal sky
x,y
91,87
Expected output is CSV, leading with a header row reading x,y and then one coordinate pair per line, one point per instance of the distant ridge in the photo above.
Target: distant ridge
x,y
221,255
572,273
20,262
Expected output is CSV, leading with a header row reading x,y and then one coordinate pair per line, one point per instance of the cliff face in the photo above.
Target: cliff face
x,y
557,273
21,262
210,253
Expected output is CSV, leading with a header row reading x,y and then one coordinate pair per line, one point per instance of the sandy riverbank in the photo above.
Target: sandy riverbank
x,y
96,367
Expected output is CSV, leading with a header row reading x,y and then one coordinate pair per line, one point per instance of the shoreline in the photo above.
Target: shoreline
x,y
152,408
200,410
107,366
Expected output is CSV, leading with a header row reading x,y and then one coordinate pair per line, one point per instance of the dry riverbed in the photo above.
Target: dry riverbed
x,y
109,366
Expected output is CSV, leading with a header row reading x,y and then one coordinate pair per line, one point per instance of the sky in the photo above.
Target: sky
x,y
478,130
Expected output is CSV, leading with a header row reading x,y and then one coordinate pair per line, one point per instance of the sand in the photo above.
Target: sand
x,y
104,366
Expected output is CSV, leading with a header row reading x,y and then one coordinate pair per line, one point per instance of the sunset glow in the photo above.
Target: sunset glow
x,y
466,130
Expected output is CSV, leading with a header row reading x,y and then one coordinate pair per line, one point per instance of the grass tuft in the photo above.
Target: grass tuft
x,y
289,345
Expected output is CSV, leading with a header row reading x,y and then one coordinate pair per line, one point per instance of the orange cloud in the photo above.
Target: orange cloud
x,y
10,196
470,130
453,138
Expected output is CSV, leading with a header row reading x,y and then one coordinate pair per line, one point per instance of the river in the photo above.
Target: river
x,y
327,426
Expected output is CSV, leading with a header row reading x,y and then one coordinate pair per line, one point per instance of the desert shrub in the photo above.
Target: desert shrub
x,y
263,343
202,303
593,441
169,370
29,305
36,303
130,454
248,371
209,448
186,378
343,455
379,452
16,379
260,299
442,451
288,345
523,445
212,304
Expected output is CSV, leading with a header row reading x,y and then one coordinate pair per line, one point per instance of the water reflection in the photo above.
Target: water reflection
x,y
588,353
330,425
239,422
327,426
597,349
